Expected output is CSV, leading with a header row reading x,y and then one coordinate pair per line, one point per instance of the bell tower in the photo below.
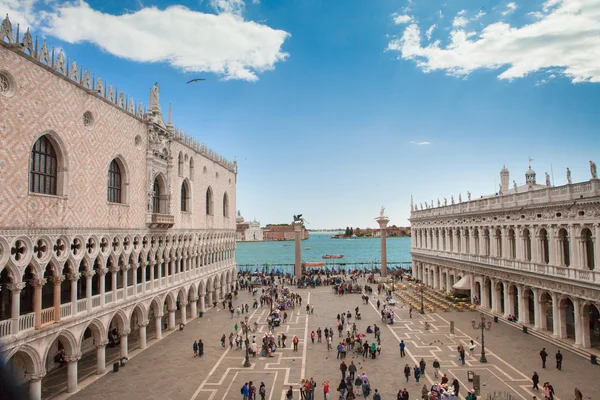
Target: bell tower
x,y
504,179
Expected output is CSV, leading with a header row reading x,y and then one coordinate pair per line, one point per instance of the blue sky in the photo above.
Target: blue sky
x,y
325,103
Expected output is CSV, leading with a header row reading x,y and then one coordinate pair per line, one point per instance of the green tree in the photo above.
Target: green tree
x,y
351,231
347,233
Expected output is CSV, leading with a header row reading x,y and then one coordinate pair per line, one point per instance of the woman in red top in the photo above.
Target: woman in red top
x,y
325,389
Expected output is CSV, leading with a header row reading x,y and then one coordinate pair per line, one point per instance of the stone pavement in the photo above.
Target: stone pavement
x,y
168,370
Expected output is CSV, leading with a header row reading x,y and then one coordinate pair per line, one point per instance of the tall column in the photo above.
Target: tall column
x,y
72,372
495,296
448,288
88,287
202,304
519,244
183,308
597,246
102,274
114,271
143,326
506,300
555,315
101,356
383,221
578,322
573,247
134,278
73,279
171,318
144,269
552,255
152,277
158,325
35,385
124,349
537,309
194,307
210,297
15,310
37,300
562,321
298,239
125,268
435,278
523,305
56,281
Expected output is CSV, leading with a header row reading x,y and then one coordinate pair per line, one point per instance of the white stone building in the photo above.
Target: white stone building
x,y
533,253
114,225
248,231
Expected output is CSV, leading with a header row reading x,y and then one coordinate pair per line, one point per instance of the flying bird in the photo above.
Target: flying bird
x,y
197,80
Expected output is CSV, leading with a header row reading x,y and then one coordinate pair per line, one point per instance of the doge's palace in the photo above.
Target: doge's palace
x,y
529,254
114,225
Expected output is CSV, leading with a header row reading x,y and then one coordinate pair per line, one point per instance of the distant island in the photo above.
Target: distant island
x,y
391,231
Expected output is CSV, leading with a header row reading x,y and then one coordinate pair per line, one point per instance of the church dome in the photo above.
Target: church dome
x,y
530,176
239,219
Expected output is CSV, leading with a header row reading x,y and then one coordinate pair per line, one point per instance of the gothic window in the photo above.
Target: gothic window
x,y
114,182
209,202
184,197
44,167
225,206
180,163
191,168
156,197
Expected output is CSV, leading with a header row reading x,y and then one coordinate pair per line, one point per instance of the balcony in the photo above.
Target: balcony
x,y
575,274
160,221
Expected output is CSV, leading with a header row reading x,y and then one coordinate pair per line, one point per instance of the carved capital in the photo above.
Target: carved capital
x,y
74,277
143,324
57,280
125,333
35,377
101,271
89,274
172,309
194,299
38,283
184,304
16,287
73,358
114,269
125,267
101,343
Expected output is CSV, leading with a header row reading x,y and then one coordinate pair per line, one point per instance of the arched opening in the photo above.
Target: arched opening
x,y
185,196
5,297
487,303
135,336
116,182
526,245
512,244
529,299
546,309
514,304
47,167
498,240
591,326
209,202
115,334
486,243
225,206
567,319
501,295
159,196
21,364
588,248
544,246
180,164
27,297
563,248
57,366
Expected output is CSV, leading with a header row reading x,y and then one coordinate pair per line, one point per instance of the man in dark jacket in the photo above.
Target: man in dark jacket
x,y
543,356
559,360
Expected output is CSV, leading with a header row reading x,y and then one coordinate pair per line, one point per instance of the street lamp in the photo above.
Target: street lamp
x,y
422,290
484,327
245,327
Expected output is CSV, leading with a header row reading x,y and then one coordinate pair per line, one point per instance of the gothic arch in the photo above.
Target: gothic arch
x,y
62,160
70,344
97,328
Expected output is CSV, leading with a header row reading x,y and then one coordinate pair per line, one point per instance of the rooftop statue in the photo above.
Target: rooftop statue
x,y
468,195
438,201
547,180
445,202
593,170
452,199
515,186
569,176
382,212
500,189
460,198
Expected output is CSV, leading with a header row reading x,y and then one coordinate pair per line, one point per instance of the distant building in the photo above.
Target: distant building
x,y
392,231
247,231
282,232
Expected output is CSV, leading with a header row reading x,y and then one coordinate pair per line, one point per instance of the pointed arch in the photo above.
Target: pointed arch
x,y
226,205
48,165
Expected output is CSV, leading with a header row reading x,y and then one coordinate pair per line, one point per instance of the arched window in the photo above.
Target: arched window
x,y
185,197
526,245
43,174
209,202
588,247
545,246
225,206
114,182
156,197
191,168
512,244
180,163
563,248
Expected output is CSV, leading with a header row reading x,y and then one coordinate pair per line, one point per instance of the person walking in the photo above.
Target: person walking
x,y
436,367
343,368
543,356
200,348
471,348
352,370
223,341
290,393
456,386
329,343
295,342
376,395
535,379
422,365
559,358
195,348
325,390
312,336
262,390
342,387
407,372
319,335
402,347
245,391
462,355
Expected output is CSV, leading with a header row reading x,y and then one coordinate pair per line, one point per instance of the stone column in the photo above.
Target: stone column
x,y
114,271
495,296
158,325
73,278
143,326
15,310
383,221
102,274
435,278
573,247
519,244
124,349
202,303
537,309
37,300
194,307
88,287
101,356
56,281
152,277
298,225
134,278
210,298
578,322
448,289
555,315
586,341
183,308
125,268
171,318
144,268
72,372
597,246
506,300
562,322
35,385
523,306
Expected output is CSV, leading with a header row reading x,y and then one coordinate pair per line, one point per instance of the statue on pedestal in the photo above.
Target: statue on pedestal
x,y
438,201
382,212
445,202
547,180
298,218
468,195
460,198
500,189
569,176
593,170
515,186
452,199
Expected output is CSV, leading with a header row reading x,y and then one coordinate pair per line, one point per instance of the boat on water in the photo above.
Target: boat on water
x,y
329,256
286,245
307,248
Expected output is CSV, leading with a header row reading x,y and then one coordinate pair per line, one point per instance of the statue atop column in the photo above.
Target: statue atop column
x,y
593,170
547,180
460,198
452,199
445,202
382,212
569,176
515,186
500,189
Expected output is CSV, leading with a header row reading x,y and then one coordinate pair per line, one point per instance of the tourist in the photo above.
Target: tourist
x,y
444,379
340,350
373,350
223,341
535,379
543,356
329,343
436,367
424,392
422,365
417,372
283,338
195,347
290,393
352,369
376,395
312,337
471,348
200,348
366,388
400,395
262,390
343,368
462,355
559,359
470,396
302,391
350,395
578,395
245,391
313,386
251,391
456,386
407,372
410,310
402,346
325,390
342,388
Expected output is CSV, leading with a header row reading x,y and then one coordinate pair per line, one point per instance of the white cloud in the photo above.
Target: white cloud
x,y
419,143
223,44
510,8
462,12
460,21
402,19
228,6
430,31
566,38
440,14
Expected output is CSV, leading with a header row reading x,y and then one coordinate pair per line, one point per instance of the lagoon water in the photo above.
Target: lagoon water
x,y
362,250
